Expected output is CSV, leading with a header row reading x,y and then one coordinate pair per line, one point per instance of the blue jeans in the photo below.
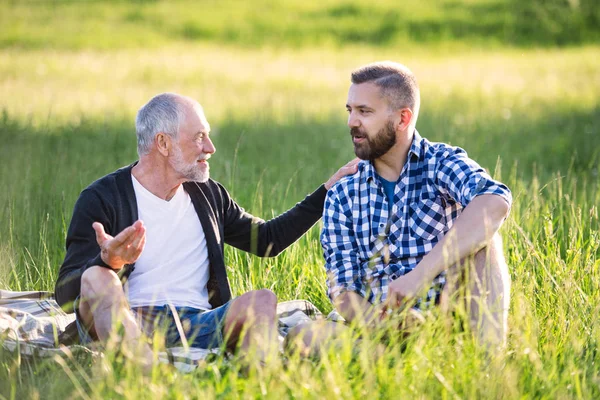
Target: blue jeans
x,y
202,329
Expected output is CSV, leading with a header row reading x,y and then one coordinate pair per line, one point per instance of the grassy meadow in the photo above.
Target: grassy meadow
x,y
73,74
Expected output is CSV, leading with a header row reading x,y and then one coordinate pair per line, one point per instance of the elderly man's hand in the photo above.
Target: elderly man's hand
x,y
347,169
125,248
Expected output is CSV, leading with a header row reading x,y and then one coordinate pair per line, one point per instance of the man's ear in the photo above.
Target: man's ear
x,y
163,143
405,118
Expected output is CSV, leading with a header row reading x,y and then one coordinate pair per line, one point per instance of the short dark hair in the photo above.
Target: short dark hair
x,y
397,83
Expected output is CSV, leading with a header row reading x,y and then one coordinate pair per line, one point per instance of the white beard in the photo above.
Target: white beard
x,y
193,171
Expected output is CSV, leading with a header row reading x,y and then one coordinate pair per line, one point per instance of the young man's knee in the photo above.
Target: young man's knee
x,y
493,252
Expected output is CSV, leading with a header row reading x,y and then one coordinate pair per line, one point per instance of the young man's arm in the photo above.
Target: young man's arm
x,y
487,203
472,230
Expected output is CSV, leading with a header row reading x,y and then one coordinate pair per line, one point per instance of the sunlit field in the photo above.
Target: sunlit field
x,y
530,116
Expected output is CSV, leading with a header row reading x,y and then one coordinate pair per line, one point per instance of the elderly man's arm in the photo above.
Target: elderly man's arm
x,y
81,245
270,238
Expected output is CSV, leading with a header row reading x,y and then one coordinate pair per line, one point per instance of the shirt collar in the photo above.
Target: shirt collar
x,y
416,147
415,150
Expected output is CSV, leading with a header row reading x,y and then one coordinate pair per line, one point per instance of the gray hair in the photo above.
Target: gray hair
x,y
163,113
397,83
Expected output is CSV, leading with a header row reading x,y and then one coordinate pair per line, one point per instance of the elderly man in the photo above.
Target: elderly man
x,y
413,211
159,225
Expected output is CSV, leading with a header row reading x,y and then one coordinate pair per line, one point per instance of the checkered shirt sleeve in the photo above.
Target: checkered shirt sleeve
x,y
344,272
464,179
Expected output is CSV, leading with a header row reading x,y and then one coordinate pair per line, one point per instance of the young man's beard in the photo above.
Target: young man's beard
x,y
373,148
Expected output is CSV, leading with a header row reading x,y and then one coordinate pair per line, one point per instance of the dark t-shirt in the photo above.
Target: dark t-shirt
x,y
388,188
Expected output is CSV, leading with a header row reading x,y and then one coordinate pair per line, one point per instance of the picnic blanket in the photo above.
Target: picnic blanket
x,y
33,324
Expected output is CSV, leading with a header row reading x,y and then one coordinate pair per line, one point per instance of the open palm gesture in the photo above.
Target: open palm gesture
x,y
125,248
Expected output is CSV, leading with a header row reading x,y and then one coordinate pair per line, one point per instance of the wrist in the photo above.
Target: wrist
x,y
108,264
328,184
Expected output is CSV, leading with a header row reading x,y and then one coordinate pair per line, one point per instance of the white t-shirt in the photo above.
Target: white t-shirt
x,y
173,267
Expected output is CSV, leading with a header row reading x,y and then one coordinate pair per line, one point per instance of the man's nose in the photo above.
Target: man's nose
x,y
209,146
353,121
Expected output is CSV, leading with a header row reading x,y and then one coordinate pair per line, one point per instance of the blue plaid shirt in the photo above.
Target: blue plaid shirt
x,y
365,248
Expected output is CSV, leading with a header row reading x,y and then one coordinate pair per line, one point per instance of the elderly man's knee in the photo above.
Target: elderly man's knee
x,y
263,302
99,280
257,303
266,298
250,308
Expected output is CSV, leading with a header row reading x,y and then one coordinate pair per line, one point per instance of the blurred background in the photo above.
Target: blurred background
x,y
515,83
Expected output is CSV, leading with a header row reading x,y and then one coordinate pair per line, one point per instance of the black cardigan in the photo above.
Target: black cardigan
x,y
111,201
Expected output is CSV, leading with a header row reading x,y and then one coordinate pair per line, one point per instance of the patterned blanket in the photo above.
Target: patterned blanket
x,y
33,324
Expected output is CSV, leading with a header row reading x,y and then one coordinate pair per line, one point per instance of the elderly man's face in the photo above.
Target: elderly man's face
x,y
193,147
369,120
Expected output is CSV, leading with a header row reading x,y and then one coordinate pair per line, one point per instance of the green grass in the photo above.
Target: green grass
x,y
291,23
279,122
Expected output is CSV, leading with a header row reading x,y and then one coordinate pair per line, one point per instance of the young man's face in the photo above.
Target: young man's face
x,y
193,147
370,121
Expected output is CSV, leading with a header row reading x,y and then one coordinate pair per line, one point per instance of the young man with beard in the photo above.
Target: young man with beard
x,y
414,212
159,226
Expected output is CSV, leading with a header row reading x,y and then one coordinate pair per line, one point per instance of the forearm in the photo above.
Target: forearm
x,y
471,231
281,232
82,250
67,289
284,230
267,239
